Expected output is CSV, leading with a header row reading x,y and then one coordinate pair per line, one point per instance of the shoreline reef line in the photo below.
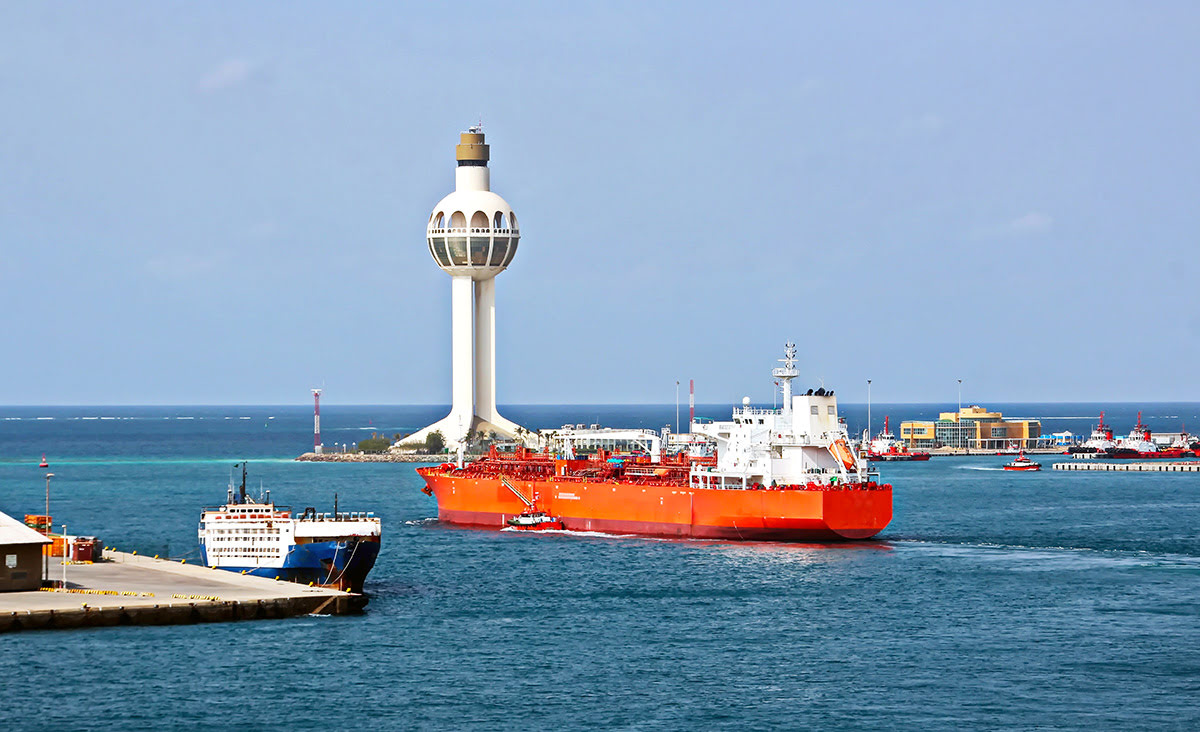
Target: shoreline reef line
x,y
377,457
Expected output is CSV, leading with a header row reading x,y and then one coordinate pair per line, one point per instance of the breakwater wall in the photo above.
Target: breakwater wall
x,y
1193,467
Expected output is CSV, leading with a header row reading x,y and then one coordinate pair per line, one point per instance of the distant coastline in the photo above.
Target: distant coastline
x,y
389,457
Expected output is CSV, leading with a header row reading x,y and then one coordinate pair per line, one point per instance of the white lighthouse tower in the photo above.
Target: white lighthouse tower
x,y
472,235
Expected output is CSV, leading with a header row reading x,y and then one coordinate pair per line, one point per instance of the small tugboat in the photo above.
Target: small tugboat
x,y
535,521
1022,463
1100,441
531,519
885,447
1140,445
260,538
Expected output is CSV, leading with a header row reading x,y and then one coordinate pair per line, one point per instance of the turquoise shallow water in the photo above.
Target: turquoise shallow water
x,y
1052,600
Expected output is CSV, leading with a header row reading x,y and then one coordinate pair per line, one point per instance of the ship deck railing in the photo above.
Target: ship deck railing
x,y
822,477
277,508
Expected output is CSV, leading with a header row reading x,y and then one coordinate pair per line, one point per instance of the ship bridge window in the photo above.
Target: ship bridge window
x,y
760,420
815,410
832,411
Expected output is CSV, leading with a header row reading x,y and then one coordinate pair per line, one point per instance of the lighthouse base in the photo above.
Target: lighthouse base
x,y
454,428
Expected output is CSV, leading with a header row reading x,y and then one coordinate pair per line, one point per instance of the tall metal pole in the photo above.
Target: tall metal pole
x,y
66,556
677,406
317,448
868,409
46,570
958,417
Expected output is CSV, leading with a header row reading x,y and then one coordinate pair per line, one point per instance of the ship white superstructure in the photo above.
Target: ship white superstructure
x,y
803,442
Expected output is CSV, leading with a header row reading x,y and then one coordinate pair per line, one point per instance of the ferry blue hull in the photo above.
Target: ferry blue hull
x,y
341,564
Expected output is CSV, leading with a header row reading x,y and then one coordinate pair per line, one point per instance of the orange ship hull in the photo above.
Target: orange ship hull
x,y
671,511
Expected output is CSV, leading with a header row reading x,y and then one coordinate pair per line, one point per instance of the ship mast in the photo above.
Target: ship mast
x,y
785,375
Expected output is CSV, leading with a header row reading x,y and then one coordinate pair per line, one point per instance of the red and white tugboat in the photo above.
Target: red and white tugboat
x,y
531,519
1100,440
1022,463
1140,445
885,447
535,521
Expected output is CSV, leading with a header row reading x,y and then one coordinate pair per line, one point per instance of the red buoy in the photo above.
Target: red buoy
x,y
43,464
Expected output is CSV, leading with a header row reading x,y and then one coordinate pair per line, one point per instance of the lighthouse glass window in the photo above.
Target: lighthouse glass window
x,y
479,250
458,250
499,249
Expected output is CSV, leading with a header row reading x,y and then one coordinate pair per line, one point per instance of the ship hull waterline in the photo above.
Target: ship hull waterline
x,y
670,511
342,565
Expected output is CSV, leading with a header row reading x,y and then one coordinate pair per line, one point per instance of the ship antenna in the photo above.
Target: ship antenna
x,y
242,490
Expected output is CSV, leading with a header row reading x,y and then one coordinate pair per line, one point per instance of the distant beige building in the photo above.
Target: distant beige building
x,y
973,427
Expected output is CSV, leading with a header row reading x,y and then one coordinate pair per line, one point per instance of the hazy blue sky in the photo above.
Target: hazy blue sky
x,y
226,202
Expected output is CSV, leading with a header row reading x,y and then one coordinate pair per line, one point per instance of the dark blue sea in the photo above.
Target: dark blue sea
x,y
993,600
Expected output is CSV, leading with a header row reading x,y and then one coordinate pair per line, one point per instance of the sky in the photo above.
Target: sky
x,y
225,203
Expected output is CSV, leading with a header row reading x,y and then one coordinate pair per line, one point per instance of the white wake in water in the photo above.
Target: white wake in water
x,y
1048,557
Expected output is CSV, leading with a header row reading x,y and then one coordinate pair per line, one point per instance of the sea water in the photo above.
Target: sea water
x,y
994,599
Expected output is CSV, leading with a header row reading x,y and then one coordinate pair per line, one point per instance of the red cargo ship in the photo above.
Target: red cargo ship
x,y
767,474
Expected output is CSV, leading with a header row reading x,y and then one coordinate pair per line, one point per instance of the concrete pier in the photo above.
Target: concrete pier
x,y
1192,467
127,589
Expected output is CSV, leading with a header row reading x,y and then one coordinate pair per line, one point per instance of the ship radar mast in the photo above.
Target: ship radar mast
x,y
786,374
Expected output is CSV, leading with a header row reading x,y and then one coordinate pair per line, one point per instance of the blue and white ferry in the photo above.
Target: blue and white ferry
x,y
328,549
